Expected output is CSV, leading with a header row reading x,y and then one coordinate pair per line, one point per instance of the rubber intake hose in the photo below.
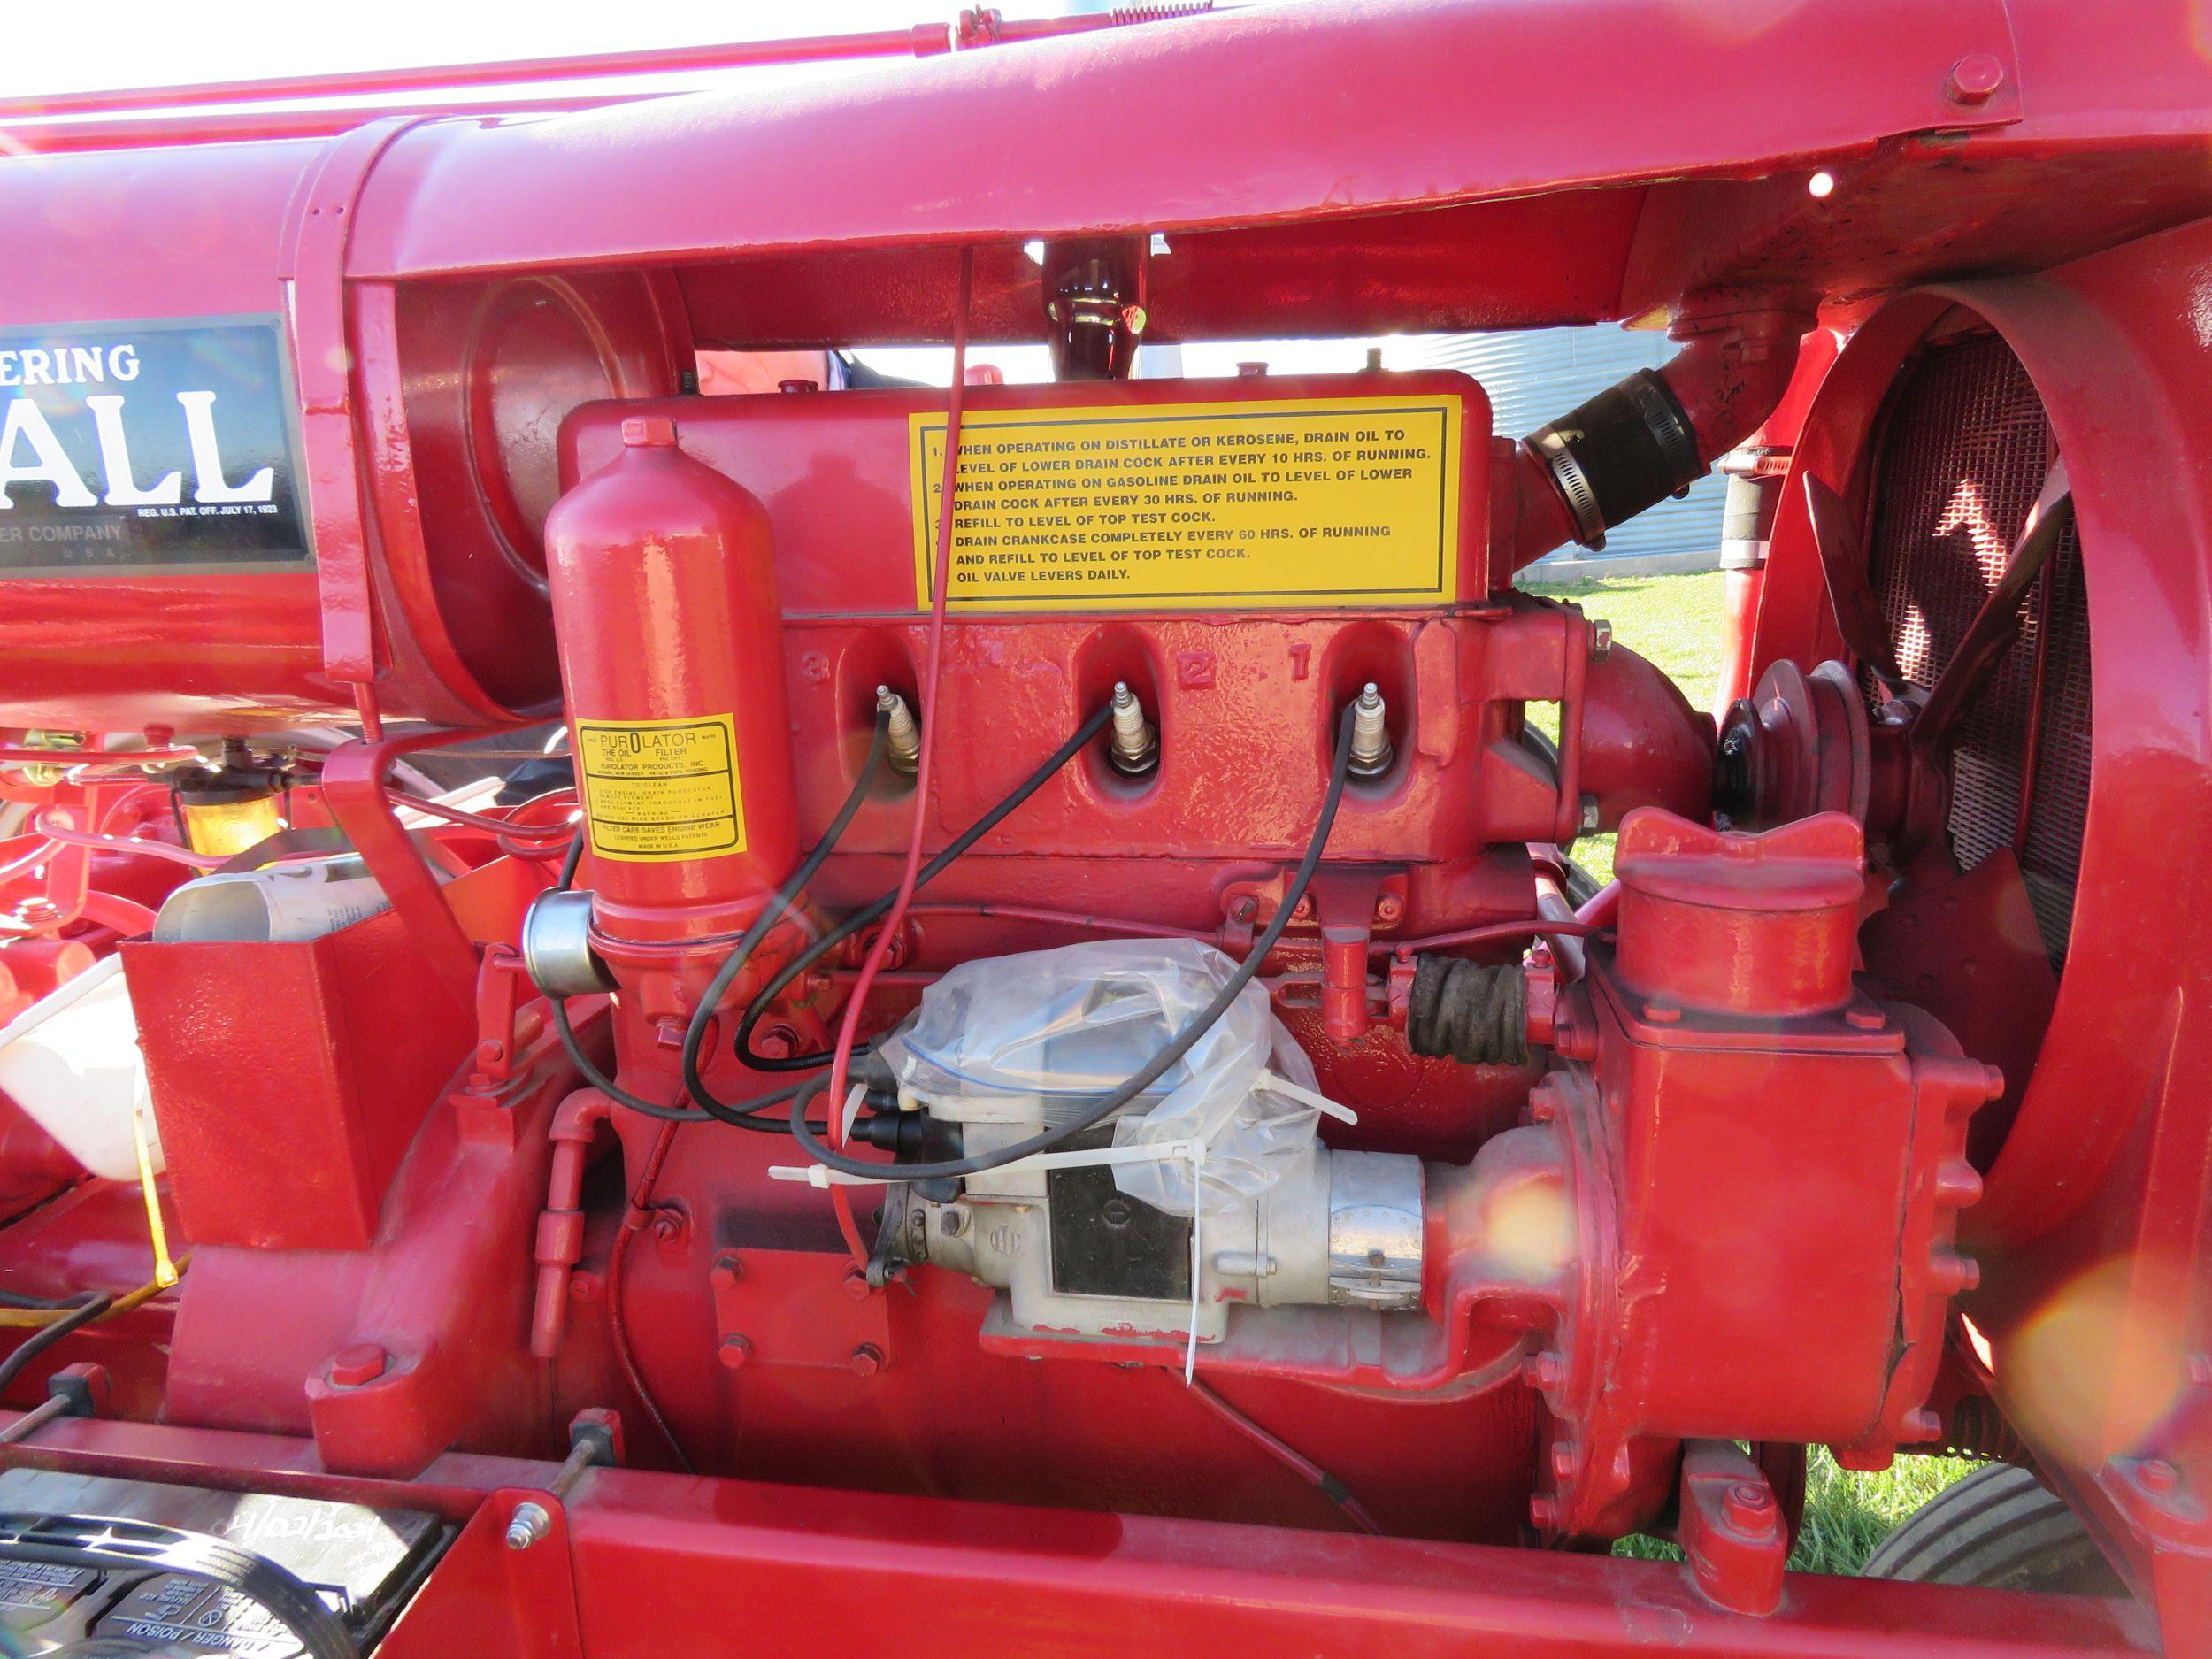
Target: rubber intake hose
x,y
1468,1011
1627,448
1746,520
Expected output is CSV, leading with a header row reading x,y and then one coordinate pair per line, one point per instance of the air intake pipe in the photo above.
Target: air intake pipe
x,y
1653,434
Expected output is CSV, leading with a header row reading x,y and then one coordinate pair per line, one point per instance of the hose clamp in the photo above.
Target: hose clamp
x,y
1669,425
1573,485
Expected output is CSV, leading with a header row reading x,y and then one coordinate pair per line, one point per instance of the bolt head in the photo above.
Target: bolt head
x,y
867,1360
1957,1184
1747,1508
856,1284
1974,79
1544,1371
359,1362
1953,1272
2158,1477
736,1348
529,1524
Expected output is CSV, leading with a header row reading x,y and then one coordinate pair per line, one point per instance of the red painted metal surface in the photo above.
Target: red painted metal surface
x,y
1401,77
1063,1584
818,1564
215,1016
1743,1197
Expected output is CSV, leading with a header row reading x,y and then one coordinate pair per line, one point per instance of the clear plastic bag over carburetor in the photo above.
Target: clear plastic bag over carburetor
x,y
1063,1027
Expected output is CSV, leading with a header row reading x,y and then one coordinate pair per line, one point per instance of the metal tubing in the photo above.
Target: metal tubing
x,y
231,126
922,39
445,77
36,1418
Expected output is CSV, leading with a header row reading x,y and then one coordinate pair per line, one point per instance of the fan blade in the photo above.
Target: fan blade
x,y
1842,561
1996,626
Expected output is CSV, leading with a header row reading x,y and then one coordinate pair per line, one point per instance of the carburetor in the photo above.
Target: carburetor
x,y
1208,1193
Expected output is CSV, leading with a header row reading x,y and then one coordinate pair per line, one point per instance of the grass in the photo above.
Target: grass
x,y
1847,1515
1676,622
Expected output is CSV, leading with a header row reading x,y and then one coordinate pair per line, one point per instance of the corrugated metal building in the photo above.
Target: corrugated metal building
x,y
1538,375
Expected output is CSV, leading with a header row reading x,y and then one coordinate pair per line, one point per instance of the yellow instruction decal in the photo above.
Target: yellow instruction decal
x,y
1187,506
654,790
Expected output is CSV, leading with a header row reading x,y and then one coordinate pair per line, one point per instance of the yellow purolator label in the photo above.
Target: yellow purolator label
x,y
655,790
1187,506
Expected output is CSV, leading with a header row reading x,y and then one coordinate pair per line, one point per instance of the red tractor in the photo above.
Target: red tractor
x,y
644,1023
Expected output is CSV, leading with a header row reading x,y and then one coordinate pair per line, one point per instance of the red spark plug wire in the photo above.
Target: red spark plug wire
x,y
849,1027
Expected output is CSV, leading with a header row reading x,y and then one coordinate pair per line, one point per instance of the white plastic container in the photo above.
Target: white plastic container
x,y
72,1061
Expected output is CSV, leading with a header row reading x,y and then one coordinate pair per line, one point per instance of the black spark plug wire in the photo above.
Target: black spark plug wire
x,y
738,1115
1146,1075
869,913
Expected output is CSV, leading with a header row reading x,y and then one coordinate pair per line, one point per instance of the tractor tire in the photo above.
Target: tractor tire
x,y
2000,1528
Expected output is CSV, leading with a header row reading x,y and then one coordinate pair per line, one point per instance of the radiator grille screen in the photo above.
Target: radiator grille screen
x,y
1962,460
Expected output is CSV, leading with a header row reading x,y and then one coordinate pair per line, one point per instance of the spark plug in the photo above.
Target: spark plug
x,y
903,736
1136,748
1372,753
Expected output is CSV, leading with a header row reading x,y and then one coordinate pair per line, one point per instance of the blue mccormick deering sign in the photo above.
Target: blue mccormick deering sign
x,y
148,447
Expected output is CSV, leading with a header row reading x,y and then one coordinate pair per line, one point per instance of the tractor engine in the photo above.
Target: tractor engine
x,y
1391,1124
1239,1027
1238,1021
726,1010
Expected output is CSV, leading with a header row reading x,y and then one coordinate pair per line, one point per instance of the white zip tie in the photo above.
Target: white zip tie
x,y
822,1175
1197,1254
1321,1103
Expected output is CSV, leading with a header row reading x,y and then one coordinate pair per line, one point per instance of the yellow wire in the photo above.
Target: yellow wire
x,y
164,1270
18,1318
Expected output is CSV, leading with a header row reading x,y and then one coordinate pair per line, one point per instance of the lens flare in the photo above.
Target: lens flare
x,y
1530,1228
2092,1372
